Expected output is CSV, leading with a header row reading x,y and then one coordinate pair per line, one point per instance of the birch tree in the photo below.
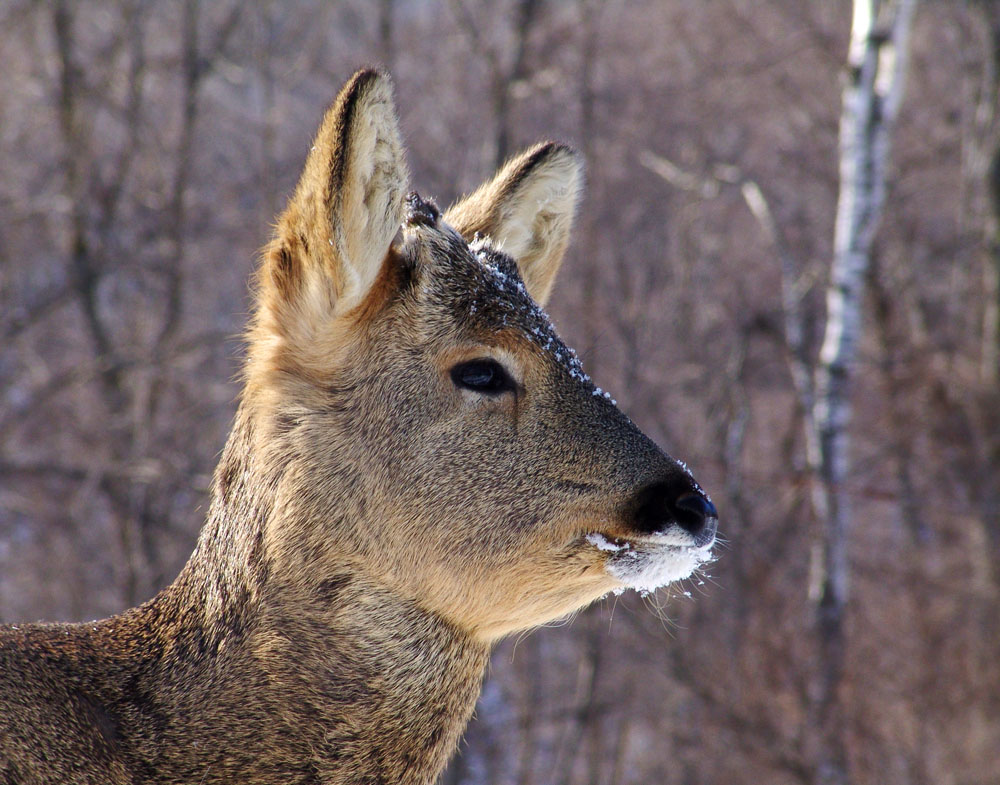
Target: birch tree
x,y
873,90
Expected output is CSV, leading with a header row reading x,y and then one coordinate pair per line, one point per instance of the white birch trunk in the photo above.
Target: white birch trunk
x,y
872,94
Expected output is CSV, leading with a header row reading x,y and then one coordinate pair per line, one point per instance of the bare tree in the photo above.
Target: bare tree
x,y
711,136
876,69
507,69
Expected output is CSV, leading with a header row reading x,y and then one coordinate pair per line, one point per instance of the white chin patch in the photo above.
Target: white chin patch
x,y
649,564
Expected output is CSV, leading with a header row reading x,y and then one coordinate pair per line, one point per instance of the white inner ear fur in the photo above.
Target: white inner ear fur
x,y
373,192
540,212
531,220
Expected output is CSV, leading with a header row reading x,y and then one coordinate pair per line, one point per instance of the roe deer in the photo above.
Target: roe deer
x,y
418,467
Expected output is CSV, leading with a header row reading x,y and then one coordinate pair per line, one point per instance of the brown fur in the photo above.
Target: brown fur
x,y
377,523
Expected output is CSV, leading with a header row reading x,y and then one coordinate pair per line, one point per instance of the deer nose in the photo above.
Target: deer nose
x,y
696,514
660,506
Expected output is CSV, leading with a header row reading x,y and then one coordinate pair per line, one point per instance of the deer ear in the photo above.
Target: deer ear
x,y
335,234
527,210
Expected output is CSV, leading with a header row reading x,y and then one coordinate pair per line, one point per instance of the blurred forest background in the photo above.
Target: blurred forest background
x,y
145,147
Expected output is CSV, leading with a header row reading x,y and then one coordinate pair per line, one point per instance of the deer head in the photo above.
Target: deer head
x,y
421,422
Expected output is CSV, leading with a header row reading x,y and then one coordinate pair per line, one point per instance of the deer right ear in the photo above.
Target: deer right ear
x,y
527,210
335,234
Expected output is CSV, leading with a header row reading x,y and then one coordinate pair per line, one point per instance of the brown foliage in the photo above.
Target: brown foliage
x,y
144,148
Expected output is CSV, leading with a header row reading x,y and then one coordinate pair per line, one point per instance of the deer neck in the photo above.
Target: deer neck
x,y
388,687
332,676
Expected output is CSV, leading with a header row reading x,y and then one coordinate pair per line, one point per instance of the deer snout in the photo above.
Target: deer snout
x,y
662,505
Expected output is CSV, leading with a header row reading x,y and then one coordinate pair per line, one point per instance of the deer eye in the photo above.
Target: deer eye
x,y
482,376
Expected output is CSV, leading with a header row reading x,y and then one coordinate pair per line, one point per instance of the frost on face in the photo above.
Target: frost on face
x,y
501,286
648,565
496,294
602,543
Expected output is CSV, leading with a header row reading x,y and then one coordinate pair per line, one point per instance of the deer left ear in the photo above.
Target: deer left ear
x,y
527,209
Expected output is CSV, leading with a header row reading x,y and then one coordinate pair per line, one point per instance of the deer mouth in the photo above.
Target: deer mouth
x,y
648,562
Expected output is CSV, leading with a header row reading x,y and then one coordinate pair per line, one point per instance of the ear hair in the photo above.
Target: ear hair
x,y
527,210
338,227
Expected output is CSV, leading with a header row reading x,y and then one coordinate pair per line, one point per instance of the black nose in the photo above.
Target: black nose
x,y
697,515
660,506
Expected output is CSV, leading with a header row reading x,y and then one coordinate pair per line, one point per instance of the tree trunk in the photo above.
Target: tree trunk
x,y
872,93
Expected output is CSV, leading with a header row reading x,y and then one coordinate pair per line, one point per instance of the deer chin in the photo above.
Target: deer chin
x,y
651,562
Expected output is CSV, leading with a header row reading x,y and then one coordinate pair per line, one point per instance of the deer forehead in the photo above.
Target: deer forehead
x,y
479,285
